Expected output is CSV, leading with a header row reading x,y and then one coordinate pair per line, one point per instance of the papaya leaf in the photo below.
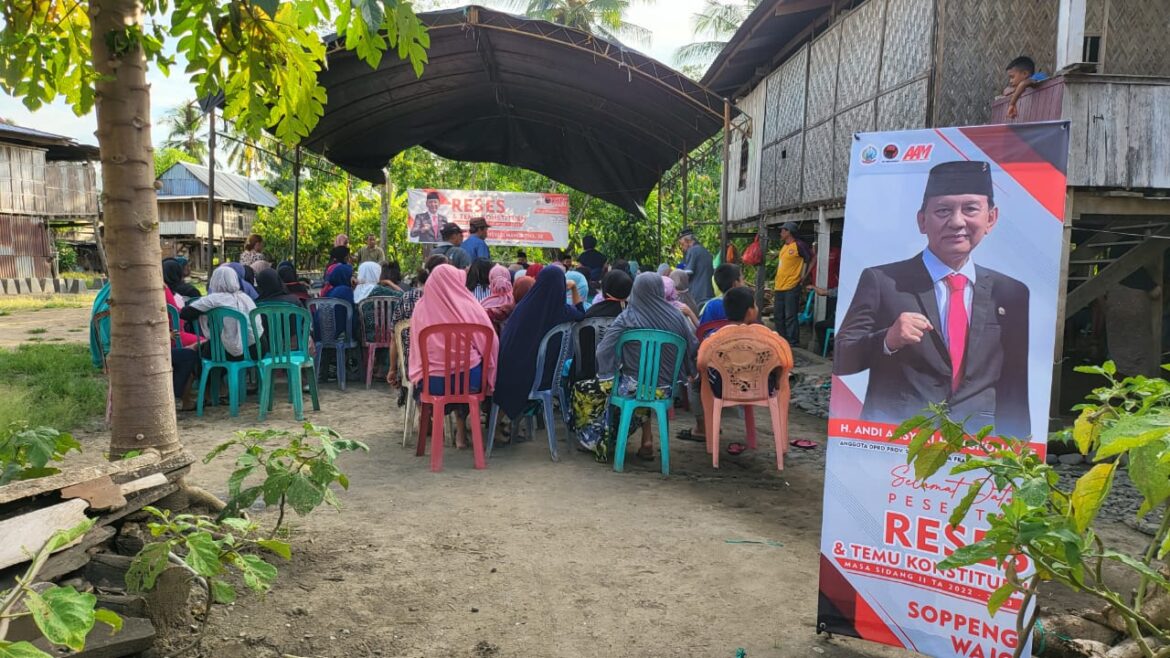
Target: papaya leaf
x,y
20,650
1089,494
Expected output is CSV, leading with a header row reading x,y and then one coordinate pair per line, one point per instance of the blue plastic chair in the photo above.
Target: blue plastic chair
x,y
173,314
340,338
651,343
286,324
220,358
541,393
828,340
806,316
582,363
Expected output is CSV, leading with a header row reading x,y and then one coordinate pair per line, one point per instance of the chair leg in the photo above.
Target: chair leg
x,y
234,393
619,457
476,437
370,353
294,385
437,417
409,409
664,440
749,423
493,416
549,419
531,422
424,419
312,391
716,417
340,352
779,430
202,389
267,383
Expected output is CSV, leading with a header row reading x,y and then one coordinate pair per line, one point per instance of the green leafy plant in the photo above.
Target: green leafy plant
x,y
26,452
297,472
1052,526
62,614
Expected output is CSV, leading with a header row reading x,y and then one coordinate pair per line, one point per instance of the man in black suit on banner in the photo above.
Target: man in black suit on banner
x,y
428,225
937,327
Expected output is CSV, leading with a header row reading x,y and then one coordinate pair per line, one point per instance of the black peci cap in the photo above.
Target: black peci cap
x,y
432,195
450,228
959,177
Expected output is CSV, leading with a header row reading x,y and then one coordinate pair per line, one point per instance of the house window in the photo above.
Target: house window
x,y
743,162
1092,50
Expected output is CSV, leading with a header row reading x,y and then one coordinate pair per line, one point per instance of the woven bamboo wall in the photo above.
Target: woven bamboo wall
x,y
22,180
70,189
1137,37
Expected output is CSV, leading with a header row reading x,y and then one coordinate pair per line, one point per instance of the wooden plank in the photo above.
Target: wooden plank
x,y
71,476
68,560
1112,275
31,531
136,636
136,502
101,493
148,482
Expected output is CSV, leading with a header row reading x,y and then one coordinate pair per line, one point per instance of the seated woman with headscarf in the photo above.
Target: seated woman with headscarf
x,y
671,296
186,338
541,309
223,291
368,285
246,276
682,286
577,292
405,311
288,276
647,309
272,290
448,301
339,255
499,303
175,278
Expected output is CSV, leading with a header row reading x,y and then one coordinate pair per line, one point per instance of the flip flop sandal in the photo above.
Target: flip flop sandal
x,y
687,435
736,448
803,444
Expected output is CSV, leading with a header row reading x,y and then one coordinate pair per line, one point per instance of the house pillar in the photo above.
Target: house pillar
x,y
1070,33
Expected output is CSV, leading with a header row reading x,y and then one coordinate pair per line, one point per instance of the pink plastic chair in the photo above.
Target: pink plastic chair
x,y
379,308
457,341
744,363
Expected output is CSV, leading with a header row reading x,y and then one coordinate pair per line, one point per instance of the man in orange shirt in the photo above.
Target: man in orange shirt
x,y
789,273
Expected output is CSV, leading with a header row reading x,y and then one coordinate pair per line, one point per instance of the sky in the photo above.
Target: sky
x,y
668,20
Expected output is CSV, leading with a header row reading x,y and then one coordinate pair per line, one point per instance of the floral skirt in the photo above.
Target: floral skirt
x,y
588,401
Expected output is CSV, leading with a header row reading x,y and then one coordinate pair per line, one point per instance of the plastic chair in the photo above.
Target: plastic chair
x,y
340,338
806,316
401,327
173,314
286,324
235,369
583,357
457,341
828,340
538,392
99,326
709,327
381,309
744,367
651,343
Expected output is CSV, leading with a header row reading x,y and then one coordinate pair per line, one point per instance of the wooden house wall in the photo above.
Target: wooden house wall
x,y
188,218
1120,131
977,39
22,180
745,202
70,189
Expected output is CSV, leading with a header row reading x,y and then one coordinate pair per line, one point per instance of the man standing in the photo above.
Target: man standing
x,y
371,253
427,225
522,259
786,286
474,245
937,327
698,264
592,258
453,238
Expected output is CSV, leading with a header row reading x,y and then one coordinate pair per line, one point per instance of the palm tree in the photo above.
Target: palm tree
x,y
243,154
186,126
603,18
715,25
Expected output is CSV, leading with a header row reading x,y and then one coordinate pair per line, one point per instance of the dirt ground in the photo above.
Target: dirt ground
x,y
529,557
45,325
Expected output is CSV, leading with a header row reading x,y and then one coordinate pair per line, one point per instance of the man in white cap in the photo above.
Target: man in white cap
x,y
698,264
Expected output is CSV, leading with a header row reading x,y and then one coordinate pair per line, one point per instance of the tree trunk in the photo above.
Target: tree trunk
x,y
140,360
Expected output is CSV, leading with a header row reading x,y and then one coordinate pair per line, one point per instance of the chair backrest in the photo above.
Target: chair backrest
x,y
378,309
457,341
401,331
216,319
564,330
651,343
744,362
286,331
808,304
708,327
173,314
587,335
333,329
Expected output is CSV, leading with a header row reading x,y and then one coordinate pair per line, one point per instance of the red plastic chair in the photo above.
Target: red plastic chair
x,y
705,329
457,341
378,308
744,365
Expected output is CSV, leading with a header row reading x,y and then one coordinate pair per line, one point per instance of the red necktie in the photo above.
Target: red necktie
x,y
956,326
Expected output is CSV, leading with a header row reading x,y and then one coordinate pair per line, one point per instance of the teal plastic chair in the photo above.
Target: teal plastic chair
x,y
828,341
651,343
806,316
236,369
286,338
173,314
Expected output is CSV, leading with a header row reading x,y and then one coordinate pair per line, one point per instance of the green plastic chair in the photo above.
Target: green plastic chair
x,y
173,314
651,343
236,369
283,323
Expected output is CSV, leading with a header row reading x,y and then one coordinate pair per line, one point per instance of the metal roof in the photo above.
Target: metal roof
x,y
58,147
581,110
763,42
228,186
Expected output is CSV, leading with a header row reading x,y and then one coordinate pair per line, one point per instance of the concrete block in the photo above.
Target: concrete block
x,y
33,286
15,287
76,286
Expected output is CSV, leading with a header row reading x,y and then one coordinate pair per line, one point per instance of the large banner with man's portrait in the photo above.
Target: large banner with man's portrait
x,y
949,286
533,219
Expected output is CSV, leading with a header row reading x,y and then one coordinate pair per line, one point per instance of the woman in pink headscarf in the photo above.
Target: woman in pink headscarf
x,y
499,302
672,296
342,240
448,301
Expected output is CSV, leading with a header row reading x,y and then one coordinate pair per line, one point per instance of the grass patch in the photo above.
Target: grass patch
x,y
53,385
37,302
38,330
